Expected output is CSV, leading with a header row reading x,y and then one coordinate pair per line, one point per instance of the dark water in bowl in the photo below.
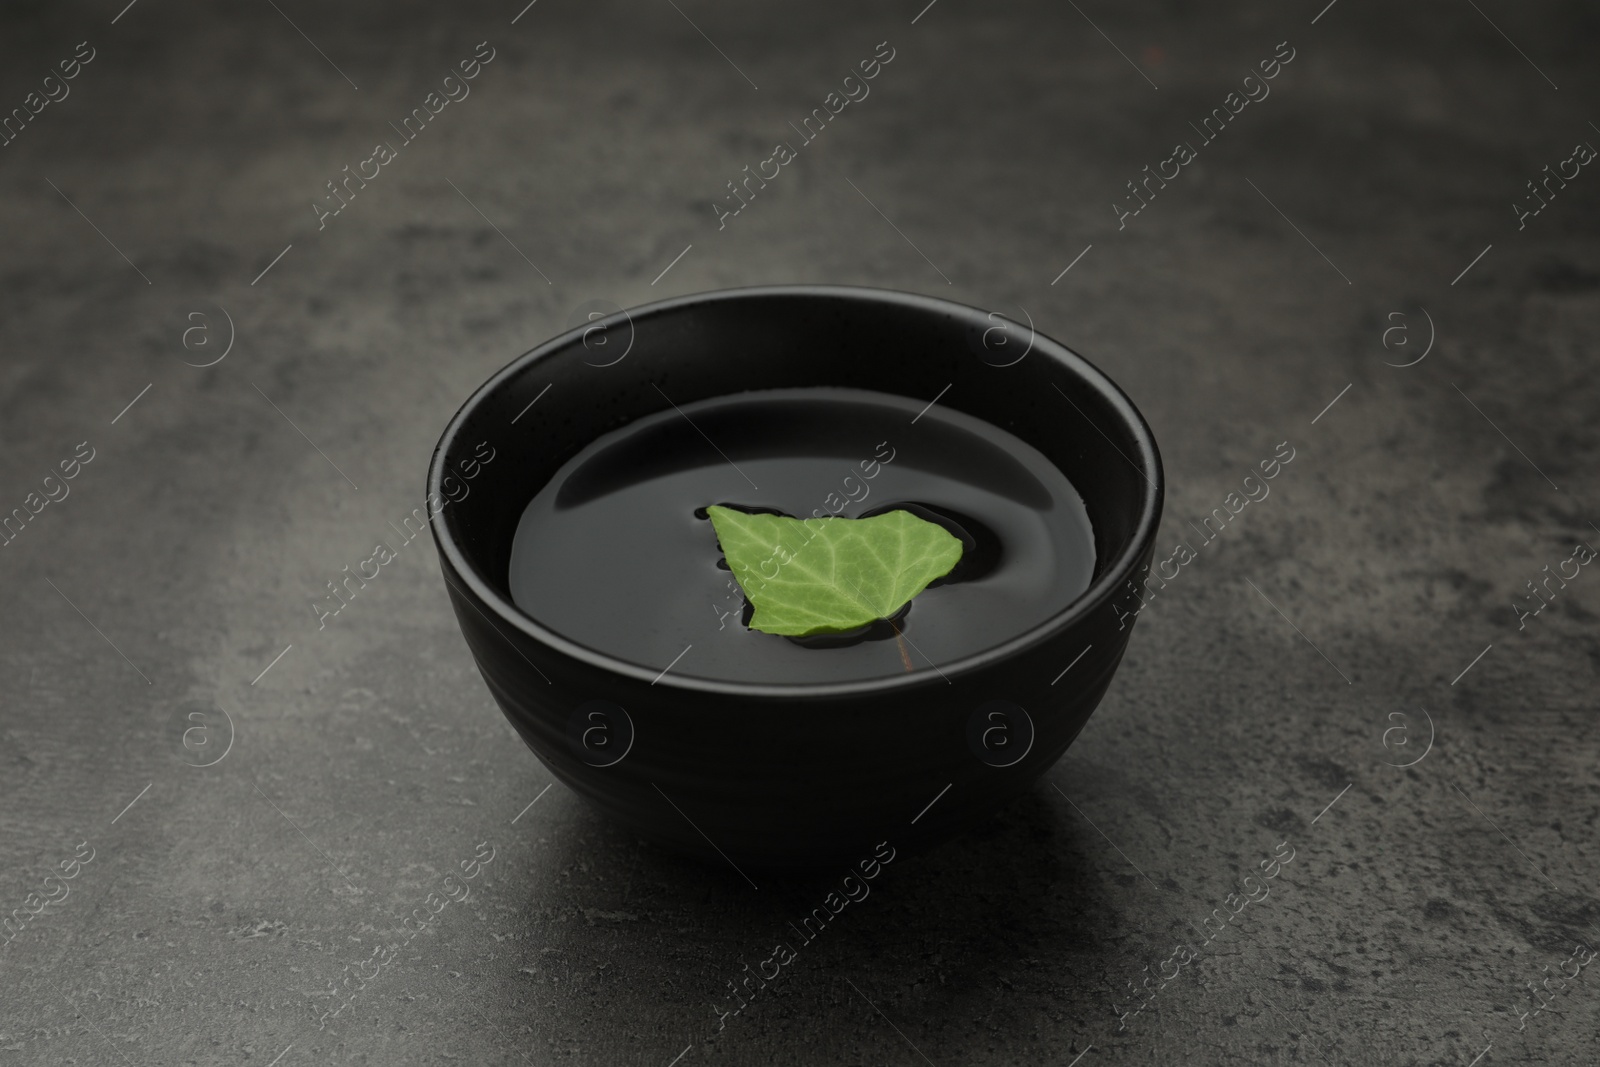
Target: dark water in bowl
x,y
615,554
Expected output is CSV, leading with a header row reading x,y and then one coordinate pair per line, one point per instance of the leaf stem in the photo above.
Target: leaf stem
x,y
905,657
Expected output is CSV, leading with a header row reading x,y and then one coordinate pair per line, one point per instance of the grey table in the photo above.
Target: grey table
x,y
1369,205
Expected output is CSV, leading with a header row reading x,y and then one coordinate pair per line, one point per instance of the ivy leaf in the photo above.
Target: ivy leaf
x,y
831,575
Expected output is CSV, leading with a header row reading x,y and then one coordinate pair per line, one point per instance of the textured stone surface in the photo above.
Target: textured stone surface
x,y
220,911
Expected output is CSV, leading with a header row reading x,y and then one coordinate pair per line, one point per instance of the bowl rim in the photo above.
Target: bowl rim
x,y
1085,604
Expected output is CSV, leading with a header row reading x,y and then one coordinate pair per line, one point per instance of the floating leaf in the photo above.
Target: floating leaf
x,y
831,575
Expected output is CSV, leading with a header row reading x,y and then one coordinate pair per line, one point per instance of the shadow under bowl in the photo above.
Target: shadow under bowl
x,y
793,776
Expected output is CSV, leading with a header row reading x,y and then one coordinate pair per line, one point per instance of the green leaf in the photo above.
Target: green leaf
x,y
830,575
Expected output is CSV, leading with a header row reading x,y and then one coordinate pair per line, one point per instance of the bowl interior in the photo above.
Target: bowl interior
x,y
549,404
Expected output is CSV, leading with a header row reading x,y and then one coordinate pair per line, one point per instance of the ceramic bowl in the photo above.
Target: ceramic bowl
x,y
771,776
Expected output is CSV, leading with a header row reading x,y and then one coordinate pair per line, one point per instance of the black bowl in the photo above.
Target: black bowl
x,y
793,775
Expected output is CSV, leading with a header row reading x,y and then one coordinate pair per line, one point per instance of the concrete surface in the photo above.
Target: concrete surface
x,y
226,914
